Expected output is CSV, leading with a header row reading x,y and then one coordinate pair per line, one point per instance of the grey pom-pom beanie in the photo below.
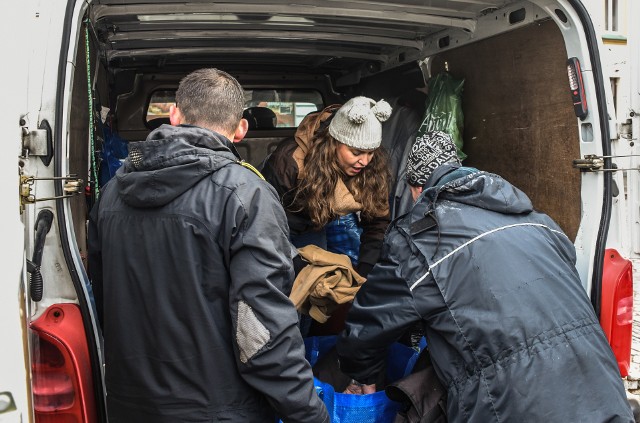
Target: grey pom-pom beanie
x,y
358,123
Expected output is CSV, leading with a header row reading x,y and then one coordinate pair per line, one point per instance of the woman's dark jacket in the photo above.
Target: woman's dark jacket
x,y
511,332
281,170
191,266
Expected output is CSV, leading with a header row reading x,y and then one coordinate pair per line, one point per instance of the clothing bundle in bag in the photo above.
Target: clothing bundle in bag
x,y
343,236
369,408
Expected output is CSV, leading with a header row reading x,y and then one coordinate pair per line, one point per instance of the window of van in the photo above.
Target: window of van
x,y
290,106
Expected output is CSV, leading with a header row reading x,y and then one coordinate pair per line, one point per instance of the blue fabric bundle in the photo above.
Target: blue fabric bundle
x,y
343,236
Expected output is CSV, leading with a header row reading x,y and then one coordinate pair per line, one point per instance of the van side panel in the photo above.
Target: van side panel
x,y
518,116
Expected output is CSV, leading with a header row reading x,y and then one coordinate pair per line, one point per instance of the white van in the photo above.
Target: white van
x,y
84,77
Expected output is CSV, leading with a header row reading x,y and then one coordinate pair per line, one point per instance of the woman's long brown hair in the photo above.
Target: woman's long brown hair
x,y
321,173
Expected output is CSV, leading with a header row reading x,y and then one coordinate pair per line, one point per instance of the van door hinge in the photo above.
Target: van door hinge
x,y
594,163
72,186
37,142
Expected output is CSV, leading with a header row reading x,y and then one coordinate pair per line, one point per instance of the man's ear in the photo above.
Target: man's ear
x,y
415,192
241,130
175,115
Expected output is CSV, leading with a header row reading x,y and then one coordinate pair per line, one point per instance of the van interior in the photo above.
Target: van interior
x,y
295,58
122,62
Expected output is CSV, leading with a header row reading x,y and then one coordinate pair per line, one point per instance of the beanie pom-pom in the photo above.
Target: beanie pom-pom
x,y
358,113
382,110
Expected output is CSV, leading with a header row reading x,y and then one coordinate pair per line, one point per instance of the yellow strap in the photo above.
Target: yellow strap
x,y
252,168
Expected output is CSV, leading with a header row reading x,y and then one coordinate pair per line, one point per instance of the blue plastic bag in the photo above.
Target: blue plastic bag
x,y
370,408
114,150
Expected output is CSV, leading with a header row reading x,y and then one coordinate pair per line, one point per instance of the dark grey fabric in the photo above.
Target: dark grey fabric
x,y
180,237
398,134
511,331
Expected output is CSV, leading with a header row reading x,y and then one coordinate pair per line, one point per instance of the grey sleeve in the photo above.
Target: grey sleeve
x,y
269,348
383,310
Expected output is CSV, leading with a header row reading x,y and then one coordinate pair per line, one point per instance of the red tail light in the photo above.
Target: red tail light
x,y
616,312
61,369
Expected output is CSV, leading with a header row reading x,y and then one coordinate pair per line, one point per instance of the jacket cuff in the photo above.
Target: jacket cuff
x,y
363,269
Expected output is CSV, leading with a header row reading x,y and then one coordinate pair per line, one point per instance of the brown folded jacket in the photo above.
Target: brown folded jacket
x,y
328,280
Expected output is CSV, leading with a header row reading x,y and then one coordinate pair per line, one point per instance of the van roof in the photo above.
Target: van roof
x,y
307,36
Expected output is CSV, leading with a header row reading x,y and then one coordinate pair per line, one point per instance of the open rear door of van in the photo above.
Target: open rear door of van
x,y
51,361
14,362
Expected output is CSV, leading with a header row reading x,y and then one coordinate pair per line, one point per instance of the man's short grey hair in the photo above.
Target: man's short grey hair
x,y
211,98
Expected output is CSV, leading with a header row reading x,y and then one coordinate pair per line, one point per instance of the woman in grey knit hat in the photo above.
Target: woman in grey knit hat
x,y
334,172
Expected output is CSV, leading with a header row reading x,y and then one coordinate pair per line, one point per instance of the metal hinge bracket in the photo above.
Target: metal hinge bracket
x,y
72,187
594,163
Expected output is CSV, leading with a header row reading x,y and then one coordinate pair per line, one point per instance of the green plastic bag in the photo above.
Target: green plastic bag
x,y
444,109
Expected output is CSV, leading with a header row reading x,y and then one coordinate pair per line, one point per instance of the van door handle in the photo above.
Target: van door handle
x,y
42,227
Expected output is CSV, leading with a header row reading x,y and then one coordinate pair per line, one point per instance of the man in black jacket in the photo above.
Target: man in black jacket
x,y
511,332
191,267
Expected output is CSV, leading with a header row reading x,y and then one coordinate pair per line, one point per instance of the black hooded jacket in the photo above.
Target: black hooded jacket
x,y
191,266
511,332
